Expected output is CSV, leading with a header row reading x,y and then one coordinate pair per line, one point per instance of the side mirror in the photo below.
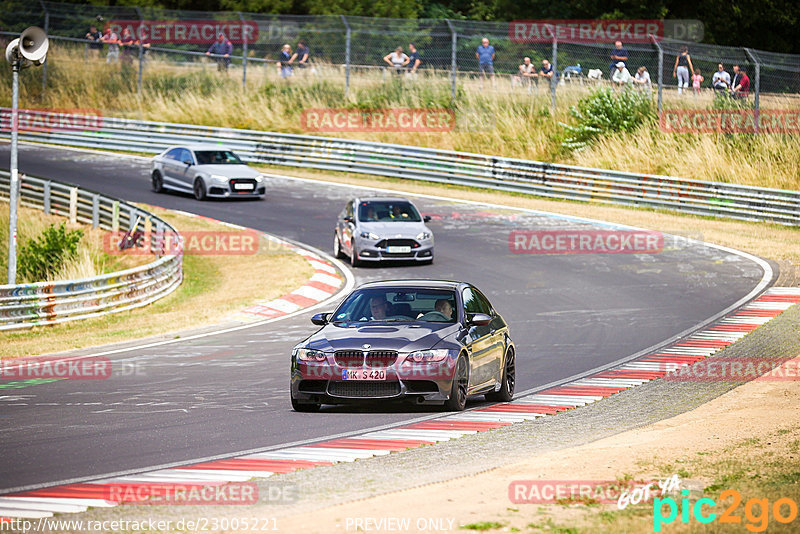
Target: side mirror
x,y
187,162
320,319
426,218
480,319
348,219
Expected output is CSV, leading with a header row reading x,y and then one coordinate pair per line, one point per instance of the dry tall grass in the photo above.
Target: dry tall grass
x,y
491,118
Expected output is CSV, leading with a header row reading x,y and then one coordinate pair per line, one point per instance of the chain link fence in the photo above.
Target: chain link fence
x,y
345,50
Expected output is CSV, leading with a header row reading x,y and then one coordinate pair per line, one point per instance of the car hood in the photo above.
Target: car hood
x,y
394,229
229,171
402,337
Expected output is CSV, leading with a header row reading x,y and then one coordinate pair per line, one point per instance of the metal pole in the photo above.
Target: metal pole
x,y
244,51
141,52
14,185
346,58
453,59
46,30
758,84
555,70
660,73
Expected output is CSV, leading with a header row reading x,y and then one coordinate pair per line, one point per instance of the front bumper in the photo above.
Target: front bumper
x,y
322,382
229,189
368,250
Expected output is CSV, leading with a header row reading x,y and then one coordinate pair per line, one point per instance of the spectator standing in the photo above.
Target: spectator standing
x,y
221,49
740,84
485,56
697,79
285,62
97,43
683,66
397,59
721,81
414,59
642,79
527,72
301,54
112,40
618,53
621,76
128,47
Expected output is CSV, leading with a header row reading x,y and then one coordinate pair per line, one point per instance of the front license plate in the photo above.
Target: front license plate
x,y
243,186
364,374
398,250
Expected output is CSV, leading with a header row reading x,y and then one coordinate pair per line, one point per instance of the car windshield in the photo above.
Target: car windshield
x,y
387,211
398,304
217,157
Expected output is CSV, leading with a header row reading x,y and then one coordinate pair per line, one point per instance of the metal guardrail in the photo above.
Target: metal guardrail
x,y
47,303
445,166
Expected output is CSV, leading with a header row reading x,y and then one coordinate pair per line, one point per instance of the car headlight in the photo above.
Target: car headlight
x,y
370,235
219,178
423,236
432,355
260,178
309,355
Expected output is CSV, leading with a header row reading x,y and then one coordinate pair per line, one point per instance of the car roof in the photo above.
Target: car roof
x,y
421,283
200,146
382,199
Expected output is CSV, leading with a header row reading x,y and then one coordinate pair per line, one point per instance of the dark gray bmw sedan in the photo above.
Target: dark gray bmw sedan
x,y
426,341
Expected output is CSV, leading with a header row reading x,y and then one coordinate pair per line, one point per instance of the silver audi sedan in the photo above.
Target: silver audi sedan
x,y
382,228
206,171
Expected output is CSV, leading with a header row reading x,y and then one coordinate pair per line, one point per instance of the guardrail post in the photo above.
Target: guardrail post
x,y
758,84
244,51
132,220
95,210
453,59
115,216
553,81
73,205
346,57
46,28
660,73
46,198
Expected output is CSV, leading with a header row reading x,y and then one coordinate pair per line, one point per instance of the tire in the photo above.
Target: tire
x,y
509,379
354,261
303,407
337,247
199,189
158,182
458,391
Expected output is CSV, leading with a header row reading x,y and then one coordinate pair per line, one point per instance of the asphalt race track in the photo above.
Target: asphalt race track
x,y
227,393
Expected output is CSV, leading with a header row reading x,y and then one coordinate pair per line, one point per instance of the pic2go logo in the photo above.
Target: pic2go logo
x,y
756,511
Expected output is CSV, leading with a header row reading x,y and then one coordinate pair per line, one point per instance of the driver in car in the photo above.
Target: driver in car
x,y
379,307
444,307
398,213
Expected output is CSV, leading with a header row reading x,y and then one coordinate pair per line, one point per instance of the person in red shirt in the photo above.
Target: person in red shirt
x,y
740,86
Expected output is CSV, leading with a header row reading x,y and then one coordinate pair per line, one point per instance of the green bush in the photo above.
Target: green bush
x,y
606,112
44,255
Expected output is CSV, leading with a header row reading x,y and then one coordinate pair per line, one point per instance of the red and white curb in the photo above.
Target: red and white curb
x,y
324,283
72,498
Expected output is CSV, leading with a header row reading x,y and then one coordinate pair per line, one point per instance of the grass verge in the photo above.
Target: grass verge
x,y
214,286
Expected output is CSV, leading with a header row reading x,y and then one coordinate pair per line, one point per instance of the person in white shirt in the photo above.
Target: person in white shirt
x,y
397,59
642,79
721,81
527,72
621,76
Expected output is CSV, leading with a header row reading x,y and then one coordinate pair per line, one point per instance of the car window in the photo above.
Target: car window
x,y
173,154
474,302
399,305
387,211
185,156
217,157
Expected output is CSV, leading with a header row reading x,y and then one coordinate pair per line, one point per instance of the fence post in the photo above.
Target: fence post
x,y
554,65
346,57
46,28
141,52
73,205
95,210
46,197
244,51
758,84
660,73
453,59
115,216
